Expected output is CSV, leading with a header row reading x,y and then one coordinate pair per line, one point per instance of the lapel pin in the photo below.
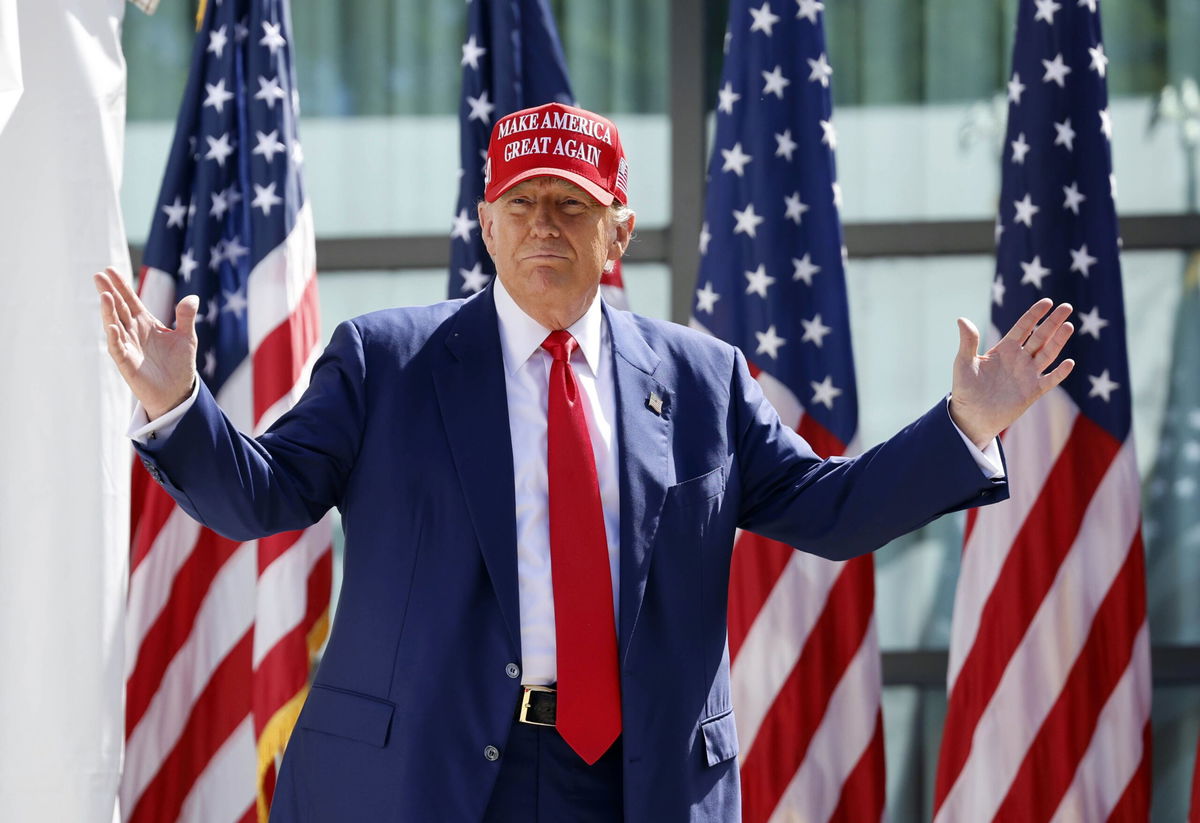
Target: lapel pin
x,y
655,403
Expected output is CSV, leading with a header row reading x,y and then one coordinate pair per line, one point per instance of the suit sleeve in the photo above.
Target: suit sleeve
x,y
843,507
245,488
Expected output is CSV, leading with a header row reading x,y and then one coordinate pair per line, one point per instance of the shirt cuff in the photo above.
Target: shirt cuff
x,y
143,429
988,459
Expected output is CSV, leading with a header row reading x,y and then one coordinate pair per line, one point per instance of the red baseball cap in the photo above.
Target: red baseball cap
x,y
560,141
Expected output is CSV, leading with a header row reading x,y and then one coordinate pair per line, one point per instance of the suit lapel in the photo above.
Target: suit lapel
x,y
474,405
644,436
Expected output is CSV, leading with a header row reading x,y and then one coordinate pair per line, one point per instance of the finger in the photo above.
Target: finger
x,y
1054,346
106,283
1048,328
185,315
1049,381
1024,326
127,294
968,339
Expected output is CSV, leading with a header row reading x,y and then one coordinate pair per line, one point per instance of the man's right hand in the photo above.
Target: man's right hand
x,y
158,363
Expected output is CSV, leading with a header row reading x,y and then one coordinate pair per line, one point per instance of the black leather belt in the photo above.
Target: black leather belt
x,y
539,706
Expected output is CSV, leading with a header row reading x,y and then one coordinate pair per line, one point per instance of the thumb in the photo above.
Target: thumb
x,y
968,339
185,315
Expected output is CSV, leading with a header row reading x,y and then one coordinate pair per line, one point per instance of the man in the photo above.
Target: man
x,y
540,496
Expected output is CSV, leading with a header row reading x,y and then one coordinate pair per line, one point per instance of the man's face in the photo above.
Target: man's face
x,y
550,241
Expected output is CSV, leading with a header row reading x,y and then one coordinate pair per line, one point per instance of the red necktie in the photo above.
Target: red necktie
x,y
589,689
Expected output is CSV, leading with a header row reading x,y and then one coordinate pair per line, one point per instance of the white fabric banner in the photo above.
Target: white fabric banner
x,y
64,463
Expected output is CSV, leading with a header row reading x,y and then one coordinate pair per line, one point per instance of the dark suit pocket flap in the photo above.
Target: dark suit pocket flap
x,y
720,738
347,714
698,489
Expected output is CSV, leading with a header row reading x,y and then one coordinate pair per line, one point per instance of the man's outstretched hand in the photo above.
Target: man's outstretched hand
x,y
990,391
158,363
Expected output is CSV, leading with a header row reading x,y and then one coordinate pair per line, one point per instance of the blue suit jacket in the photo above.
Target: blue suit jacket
x,y
405,429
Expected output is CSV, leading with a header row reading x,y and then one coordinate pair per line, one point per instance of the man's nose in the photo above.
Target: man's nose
x,y
545,221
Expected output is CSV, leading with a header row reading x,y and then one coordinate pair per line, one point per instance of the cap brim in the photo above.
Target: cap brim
x,y
604,198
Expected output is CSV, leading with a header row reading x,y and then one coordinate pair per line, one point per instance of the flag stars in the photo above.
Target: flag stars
x,y
1020,148
820,70
297,153
235,302
1090,4
804,269
769,342
837,194
234,250
809,9
825,392
828,134
210,358
1034,272
764,19
1046,10
216,256
271,38
216,41
1106,123
474,279
1102,386
1056,71
1064,135
998,290
758,281
265,198
175,213
726,97
735,160
785,145
269,145
706,298
1081,261
463,226
1092,323
217,96
269,91
774,82
998,231
705,238
794,209
187,265
1073,197
220,204
814,331
481,108
746,221
1025,210
471,52
1099,60
1015,89
218,149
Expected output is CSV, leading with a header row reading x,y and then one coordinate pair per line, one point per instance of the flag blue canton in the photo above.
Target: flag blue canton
x,y
511,60
232,188
771,277
1057,225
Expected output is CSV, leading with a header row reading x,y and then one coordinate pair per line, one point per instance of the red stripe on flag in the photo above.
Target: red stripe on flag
x,y
150,508
972,518
175,623
757,564
1134,805
1052,758
280,676
280,358
864,792
274,546
823,441
251,815
221,707
1029,570
784,736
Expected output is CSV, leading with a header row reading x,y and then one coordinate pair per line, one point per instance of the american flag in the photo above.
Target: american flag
x,y
806,668
1049,676
220,634
511,60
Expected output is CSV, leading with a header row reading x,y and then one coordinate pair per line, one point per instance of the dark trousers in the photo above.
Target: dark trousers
x,y
543,781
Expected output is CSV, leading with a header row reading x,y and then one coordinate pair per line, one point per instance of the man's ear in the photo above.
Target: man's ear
x,y
485,224
622,232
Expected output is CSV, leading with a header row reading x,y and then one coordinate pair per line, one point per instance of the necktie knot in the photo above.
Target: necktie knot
x,y
560,344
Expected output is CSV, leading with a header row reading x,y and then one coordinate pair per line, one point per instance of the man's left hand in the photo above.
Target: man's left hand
x,y
990,391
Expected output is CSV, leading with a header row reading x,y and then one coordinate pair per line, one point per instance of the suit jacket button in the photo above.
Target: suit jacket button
x,y
513,670
491,753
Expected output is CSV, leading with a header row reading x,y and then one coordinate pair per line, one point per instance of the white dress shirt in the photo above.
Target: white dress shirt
x,y
527,379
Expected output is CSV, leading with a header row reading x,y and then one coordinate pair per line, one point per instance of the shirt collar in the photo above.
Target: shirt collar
x,y
521,335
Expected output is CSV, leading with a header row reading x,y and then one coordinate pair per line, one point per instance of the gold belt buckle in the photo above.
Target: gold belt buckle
x,y
524,715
